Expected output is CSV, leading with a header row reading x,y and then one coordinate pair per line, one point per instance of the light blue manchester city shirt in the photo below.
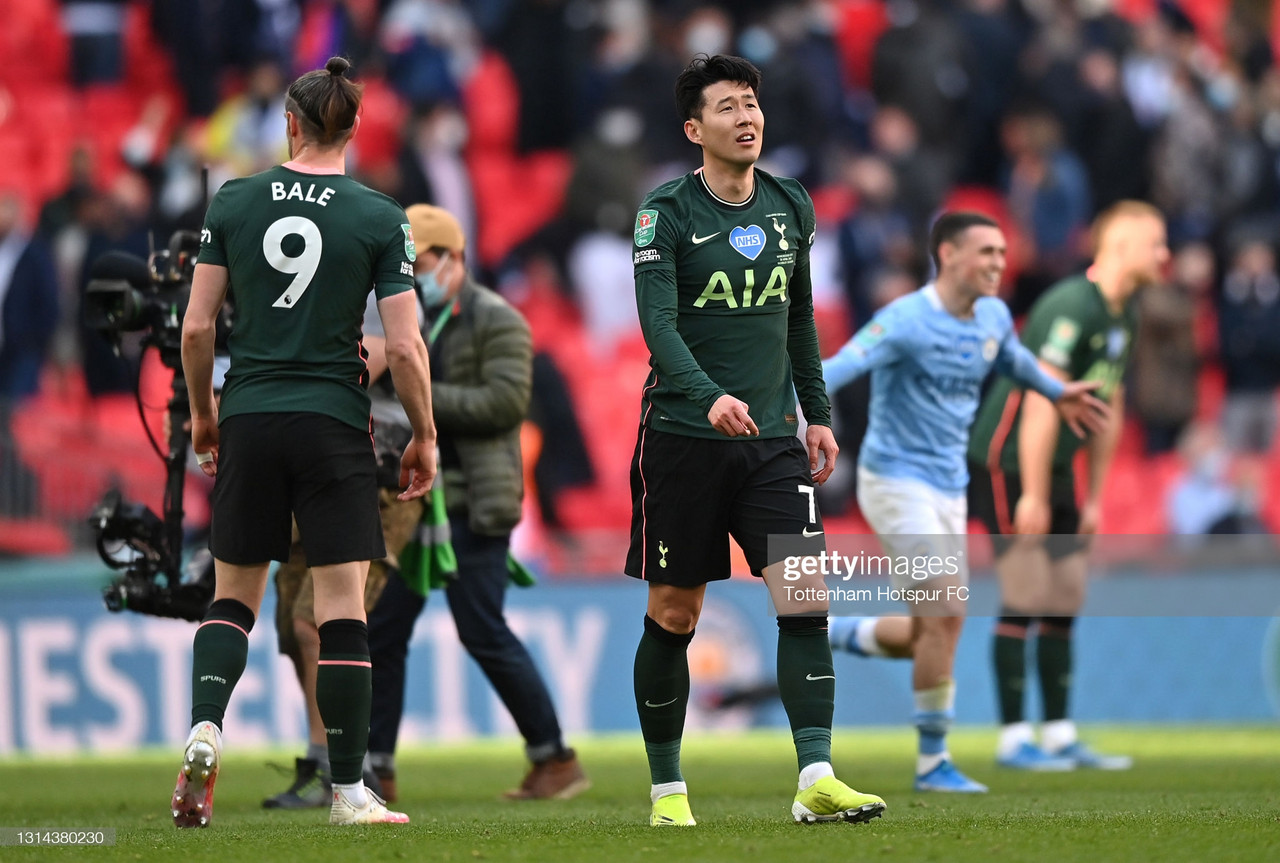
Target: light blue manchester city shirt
x,y
927,367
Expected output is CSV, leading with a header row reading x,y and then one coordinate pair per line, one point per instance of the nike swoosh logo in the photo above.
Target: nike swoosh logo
x,y
821,677
699,240
808,533
648,703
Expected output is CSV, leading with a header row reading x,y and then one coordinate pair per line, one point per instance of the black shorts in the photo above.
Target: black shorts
x,y
993,497
688,495
275,466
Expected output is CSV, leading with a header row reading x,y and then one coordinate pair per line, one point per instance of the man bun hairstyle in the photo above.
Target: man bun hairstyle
x,y
325,102
703,71
949,227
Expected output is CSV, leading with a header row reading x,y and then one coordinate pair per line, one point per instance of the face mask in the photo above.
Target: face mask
x,y
432,292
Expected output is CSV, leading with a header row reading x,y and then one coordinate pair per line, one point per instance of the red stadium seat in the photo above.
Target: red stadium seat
x,y
492,105
28,537
34,44
382,117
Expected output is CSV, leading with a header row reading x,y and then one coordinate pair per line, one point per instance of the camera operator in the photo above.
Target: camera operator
x,y
291,434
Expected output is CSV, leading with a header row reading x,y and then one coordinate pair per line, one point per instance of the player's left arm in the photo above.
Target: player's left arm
x,y
802,335
1079,409
806,361
1037,440
1100,450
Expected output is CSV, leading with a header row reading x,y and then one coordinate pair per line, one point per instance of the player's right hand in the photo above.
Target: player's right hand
x,y
204,440
417,468
1081,410
1031,516
729,417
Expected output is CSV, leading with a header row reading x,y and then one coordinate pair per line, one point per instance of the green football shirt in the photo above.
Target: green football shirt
x,y
1070,328
302,252
726,305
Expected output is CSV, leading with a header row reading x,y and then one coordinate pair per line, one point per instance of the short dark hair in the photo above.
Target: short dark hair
x,y
325,102
703,71
949,227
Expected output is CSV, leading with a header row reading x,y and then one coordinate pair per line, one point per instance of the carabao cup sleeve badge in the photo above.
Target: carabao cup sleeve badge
x,y
646,226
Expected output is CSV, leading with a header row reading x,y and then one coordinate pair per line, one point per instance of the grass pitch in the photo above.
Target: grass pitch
x,y
1195,793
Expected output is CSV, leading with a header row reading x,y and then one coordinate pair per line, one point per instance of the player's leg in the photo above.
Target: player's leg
x,y
219,654
476,599
307,635
250,528
914,521
776,499
301,643
1022,569
888,636
1023,572
679,542
391,623
661,680
1054,653
937,632
335,500
393,609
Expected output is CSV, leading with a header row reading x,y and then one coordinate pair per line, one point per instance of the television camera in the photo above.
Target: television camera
x,y
128,294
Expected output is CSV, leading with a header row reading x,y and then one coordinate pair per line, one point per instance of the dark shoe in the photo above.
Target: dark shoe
x,y
310,789
558,778
382,782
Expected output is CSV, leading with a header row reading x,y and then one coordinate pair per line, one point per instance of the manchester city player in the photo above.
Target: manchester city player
x,y
929,353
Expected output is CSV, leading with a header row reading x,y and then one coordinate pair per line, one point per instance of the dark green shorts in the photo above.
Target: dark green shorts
x,y
689,495
273,467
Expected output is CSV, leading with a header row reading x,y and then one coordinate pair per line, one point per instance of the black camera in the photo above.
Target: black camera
x,y
126,294
137,528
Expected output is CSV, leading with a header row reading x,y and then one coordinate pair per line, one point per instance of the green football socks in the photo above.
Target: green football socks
x,y
807,684
662,697
1053,663
1009,653
219,653
344,693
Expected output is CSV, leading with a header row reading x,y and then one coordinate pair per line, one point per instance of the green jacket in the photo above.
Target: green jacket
x,y
480,395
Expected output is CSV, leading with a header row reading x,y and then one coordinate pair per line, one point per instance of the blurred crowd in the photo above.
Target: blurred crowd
x,y
541,123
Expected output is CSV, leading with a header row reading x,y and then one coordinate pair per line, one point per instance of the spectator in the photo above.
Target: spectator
x,y
1187,159
995,39
431,166
919,66
245,135
542,48
430,47
923,175
96,31
481,351
189,31
1249,336
1107,135
118,221
1048,194
1165,361
1205,499
877,234
28,315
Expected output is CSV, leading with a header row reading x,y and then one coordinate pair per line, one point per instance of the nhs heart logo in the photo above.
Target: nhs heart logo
x,y
748,241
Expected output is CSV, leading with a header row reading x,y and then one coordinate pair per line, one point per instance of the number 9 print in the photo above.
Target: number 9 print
x,y
302,267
